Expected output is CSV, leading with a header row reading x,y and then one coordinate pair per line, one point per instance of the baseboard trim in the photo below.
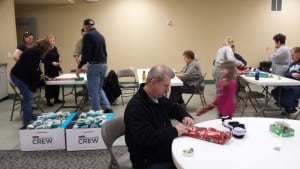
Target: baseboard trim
x,y
209,81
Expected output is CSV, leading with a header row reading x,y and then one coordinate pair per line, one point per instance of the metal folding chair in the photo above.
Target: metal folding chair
x,y
18,99
128,83
199,90
111,131
248,95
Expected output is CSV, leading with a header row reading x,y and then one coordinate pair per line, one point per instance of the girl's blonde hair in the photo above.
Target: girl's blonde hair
x,y
230,66
228,41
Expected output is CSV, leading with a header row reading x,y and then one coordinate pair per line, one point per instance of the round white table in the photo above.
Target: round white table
x,y
260,148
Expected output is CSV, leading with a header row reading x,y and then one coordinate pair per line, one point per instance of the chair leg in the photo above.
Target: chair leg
x,y
202,98
242,112
253,105
12,110
122,99
189,99
245,105
14,107
298,112
38,105
256,108
82,102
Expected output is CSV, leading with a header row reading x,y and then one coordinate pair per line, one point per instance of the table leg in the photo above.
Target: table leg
x,y
76,106
63,98
266,90
267,99
279,104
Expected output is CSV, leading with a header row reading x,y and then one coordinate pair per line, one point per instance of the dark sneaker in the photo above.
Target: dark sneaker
x,y
34,117
291,110
288,111
23,127
49,103
108,111
56,101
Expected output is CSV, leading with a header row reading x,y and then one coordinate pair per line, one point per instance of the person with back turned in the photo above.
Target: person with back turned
x,y
94,53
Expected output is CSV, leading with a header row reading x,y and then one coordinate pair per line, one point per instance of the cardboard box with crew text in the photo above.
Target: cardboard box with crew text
x,y
42,139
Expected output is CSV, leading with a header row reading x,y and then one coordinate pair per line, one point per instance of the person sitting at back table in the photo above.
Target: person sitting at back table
x,y
190,75
289,95
238,56
149,131
280,57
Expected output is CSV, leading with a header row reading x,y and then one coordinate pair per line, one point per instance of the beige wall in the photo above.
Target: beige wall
x,y
7,29
8,32
137,34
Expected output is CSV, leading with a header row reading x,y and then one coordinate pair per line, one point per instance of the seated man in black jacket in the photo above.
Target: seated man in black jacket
x,y
149,132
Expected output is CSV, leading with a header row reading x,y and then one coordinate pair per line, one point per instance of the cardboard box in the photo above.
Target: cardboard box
x,y
45,139
42,139
85,138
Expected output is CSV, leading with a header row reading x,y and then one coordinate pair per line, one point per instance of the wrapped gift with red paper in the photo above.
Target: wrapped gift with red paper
x,y
242,70
209,134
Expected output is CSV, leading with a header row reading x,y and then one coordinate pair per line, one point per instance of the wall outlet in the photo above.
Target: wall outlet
x,y
9,54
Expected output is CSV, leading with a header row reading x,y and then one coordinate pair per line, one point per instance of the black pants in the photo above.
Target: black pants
x,y
52,91
176,93
289,95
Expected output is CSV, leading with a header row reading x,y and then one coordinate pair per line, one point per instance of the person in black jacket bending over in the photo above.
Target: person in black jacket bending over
x,y
27,76
149,131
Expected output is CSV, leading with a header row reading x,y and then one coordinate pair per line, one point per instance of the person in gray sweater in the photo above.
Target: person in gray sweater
x,y
280,57
190,75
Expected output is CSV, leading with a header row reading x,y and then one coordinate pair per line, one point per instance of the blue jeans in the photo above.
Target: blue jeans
x,y
165,165
27,99
289,95
95,79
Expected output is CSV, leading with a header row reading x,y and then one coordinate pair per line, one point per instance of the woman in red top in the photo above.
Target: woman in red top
x,y
227,86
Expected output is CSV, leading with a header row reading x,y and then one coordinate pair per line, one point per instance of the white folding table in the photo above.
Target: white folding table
x,y
174,82
259,148
272,80
68,79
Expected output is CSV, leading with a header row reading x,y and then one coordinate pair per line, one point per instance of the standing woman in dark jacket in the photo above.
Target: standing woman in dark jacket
x,y
52,69
26,75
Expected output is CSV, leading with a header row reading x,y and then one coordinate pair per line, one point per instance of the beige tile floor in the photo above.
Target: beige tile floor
x,y
9,135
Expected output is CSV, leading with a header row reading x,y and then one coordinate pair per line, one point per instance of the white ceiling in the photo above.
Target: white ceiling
x,y
44,2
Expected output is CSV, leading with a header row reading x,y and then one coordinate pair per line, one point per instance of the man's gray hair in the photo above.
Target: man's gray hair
x,y
159,72
296,49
